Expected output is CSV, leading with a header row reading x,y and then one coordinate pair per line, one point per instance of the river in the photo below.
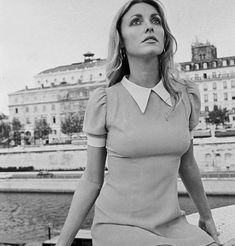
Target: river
x,y
25,217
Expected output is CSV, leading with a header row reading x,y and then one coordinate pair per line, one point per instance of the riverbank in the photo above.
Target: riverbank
x,y
212,186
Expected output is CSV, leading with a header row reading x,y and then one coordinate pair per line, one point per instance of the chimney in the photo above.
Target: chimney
x,y
88,56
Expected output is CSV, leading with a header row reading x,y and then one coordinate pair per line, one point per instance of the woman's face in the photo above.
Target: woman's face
x,y
142,31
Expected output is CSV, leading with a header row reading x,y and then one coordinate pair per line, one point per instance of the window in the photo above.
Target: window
x,y
27,109
233,118
16,110
224,63
44,108
206,108
100,74
205,65
205,88
187,67
72,78
54,119
214,86
91,77
27,121
213,74
205,98
231,62
54,132
225,96
225,84
35,109
55,80
232,83
197,66
233,95
215,97
53,107
205,76
214,64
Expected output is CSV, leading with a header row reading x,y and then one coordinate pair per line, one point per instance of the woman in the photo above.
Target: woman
x,y
143,123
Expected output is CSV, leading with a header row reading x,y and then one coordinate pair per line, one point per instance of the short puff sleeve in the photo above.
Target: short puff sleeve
x,y
94,124
195,105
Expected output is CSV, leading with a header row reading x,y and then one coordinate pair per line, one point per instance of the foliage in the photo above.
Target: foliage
x,y
71,124
16,128
3,117
5,129
16,125
42,129
217,116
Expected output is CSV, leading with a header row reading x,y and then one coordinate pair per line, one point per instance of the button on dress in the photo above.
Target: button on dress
x,y
138,203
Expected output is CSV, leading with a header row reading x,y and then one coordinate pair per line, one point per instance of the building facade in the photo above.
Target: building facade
x,y
215,78
59,92
83,72
65,90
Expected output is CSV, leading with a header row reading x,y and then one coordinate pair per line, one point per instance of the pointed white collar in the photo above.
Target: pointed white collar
x,y
141,94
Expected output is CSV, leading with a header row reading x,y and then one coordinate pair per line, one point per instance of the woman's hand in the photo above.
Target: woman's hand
x,y
208,225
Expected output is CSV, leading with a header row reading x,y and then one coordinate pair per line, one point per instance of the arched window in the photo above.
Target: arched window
x,y
187,67
214,64
231,62
205,65
224,63
196,66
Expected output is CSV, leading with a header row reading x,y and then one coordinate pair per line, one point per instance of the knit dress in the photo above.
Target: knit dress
x,y
138,203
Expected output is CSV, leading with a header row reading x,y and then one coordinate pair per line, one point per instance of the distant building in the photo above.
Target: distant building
x,y
59,92
89,70
215,78
65,90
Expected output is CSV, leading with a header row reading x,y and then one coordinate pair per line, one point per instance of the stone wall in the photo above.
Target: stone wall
x,y
45,157
210,156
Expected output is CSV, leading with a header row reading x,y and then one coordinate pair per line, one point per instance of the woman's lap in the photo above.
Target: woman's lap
x,y
125,235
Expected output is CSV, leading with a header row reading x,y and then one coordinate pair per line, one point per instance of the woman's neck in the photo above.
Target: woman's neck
x,y
144,72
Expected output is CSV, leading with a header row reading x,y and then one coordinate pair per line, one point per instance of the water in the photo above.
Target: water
x,y
25,217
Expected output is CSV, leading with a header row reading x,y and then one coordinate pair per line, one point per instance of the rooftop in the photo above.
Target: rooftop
x,y
75,66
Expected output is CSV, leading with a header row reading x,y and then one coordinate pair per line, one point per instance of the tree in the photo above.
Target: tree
x,y
5,128
42,129
71,124
217,116
3,117
16,125
16,128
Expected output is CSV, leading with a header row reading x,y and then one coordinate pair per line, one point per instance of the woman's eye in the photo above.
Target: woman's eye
x,y
156,20
135,21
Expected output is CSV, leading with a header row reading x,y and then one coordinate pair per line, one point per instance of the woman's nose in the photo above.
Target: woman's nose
x,y
148,26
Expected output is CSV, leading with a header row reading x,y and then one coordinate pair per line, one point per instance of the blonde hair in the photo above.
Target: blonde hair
x,y
117,62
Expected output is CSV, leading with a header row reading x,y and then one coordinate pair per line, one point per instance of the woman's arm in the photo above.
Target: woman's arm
x,y
85,194
191,178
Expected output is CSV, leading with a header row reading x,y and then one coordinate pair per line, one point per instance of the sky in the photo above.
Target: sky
x,y
36,35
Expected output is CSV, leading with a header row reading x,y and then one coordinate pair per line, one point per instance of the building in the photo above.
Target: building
x,y
59,92
65,90
215,78
83,72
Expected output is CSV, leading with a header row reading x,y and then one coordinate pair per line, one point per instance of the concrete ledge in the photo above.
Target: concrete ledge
x,y
224,219
212,186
